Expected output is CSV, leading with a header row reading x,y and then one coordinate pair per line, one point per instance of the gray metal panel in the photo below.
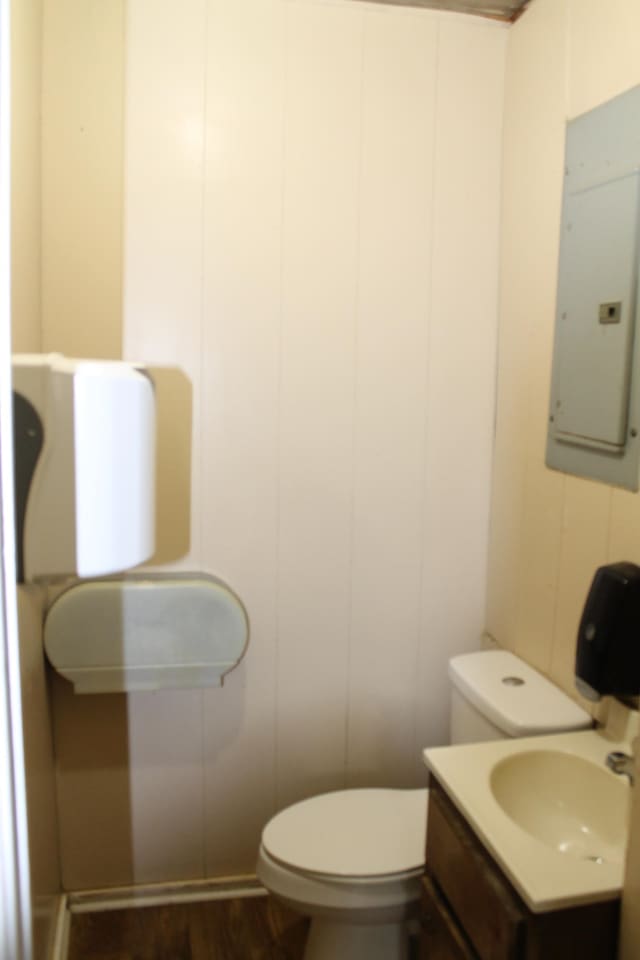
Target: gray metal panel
x,y
595,394
598,269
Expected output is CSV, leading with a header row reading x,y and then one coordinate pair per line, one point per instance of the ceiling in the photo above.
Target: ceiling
x,y
497,9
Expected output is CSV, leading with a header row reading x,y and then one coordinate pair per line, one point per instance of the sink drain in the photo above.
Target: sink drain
x,y
595,859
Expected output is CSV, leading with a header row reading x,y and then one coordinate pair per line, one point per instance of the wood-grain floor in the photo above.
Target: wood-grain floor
x,y
248,928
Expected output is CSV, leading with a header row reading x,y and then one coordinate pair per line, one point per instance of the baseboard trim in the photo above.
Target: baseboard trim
x,y
60,945
160,894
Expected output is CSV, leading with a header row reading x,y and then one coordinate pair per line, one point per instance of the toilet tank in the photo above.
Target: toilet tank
x,y
495,695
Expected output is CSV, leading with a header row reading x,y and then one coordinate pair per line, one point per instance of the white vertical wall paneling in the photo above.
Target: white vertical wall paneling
x,y
164,153
399,90
462,355
322,149
241,344
166,785
163,200
299,257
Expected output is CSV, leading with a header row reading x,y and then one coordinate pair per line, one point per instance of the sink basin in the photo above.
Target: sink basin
x,y
547,809
566,802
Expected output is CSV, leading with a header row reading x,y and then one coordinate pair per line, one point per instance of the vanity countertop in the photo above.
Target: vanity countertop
x,y
544,875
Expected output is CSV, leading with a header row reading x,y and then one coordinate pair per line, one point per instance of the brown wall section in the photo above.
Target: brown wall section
x,y
82,157
26,50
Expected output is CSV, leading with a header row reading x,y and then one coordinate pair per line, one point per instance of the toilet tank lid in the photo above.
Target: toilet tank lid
x,y
514,696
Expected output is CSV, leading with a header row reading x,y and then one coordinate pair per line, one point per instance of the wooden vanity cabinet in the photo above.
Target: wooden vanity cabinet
x,y
441,937
470,910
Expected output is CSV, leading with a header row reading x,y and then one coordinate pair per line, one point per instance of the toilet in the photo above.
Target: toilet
x,y
352,860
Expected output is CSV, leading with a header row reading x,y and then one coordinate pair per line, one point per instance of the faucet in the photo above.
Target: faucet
x,y
621,763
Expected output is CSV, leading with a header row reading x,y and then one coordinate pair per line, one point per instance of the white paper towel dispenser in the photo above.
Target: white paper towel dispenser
x,y
146,633
84,444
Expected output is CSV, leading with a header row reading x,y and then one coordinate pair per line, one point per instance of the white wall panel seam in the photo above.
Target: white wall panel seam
x,y
496,300
278,432
424,516
610,523
561,551
502,296
354,421
203,248
568,55
201,459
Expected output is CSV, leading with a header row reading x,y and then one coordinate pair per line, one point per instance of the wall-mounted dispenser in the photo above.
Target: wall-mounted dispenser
x,y
84,441
608,648
146,632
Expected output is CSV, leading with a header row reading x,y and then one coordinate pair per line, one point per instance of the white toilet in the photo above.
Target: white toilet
x,y
352,860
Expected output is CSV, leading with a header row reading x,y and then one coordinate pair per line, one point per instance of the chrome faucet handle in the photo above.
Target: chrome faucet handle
x,y
622,764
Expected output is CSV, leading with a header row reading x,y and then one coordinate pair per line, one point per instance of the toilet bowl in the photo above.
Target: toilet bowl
x,y
352,860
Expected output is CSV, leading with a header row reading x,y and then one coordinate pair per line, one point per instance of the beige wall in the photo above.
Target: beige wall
x,y
630,928
26,53
40,775
299,208
543,553
549,531
82,91
26,31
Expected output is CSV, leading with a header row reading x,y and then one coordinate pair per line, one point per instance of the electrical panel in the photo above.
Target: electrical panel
x,y
594,414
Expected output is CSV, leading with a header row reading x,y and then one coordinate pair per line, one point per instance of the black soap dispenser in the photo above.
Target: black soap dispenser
x,y
608,649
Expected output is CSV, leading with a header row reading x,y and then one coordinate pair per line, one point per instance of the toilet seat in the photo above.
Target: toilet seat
x,y
367,834
353,862
311,893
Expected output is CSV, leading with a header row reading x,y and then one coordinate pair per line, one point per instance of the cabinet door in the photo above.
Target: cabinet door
x,y
491,914
469,905
440,936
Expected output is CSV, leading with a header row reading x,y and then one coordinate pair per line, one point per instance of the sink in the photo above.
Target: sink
x,y
547,809
565,801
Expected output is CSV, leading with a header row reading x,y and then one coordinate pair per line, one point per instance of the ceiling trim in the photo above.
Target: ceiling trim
x,y
507,11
